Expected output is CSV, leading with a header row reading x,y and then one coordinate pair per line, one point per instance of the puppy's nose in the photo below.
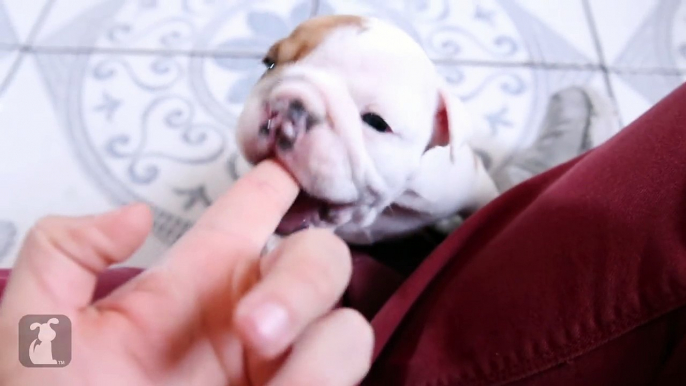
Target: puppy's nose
x,y
288,119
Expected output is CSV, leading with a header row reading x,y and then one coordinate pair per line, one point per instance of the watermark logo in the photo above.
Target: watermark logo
x,y
45,341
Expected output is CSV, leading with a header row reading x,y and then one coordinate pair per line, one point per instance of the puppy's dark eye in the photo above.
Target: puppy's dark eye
x,y
376,122
269,63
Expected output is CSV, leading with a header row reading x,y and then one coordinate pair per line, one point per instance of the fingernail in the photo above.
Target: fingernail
x,y
269,325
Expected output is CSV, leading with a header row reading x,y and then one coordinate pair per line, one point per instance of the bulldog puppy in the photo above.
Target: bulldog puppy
x,y
357,112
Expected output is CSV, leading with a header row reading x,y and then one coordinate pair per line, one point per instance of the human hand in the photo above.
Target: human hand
x,y
211,313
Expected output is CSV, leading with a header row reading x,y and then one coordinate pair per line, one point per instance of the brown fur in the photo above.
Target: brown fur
x,y
308,36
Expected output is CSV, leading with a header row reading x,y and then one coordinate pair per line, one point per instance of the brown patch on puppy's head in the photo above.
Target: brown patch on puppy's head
x,y
308,36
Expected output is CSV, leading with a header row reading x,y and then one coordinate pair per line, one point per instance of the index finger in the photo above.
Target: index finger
x,y
235,227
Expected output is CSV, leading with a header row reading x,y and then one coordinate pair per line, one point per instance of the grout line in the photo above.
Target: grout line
x,y
257,55
138,52
29,39
9,77
541,65
601,55
9,46
646,71
594,32
316,6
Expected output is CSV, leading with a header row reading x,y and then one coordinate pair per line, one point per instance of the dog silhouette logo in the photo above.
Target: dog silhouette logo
x,y
45,341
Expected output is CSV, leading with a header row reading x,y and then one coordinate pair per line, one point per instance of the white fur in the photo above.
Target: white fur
x,y
391,186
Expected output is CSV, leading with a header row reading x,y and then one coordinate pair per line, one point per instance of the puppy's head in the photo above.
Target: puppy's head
x,y
350,106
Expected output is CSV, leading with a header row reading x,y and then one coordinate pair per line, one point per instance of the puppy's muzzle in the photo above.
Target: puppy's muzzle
x,y
288,119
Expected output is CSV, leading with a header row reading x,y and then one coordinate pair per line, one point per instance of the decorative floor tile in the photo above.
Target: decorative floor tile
x,y
636,93
19,18
508,104
491,31
565,34
38,167
172,25
136,100
8,36
642,34
9,61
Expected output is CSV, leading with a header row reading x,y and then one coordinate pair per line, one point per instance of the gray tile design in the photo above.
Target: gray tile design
x,y
8,37
659,44
9,52
22,17
643,46
657,48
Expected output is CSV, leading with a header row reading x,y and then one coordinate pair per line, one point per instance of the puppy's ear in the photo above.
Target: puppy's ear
x,y
452,123
441,132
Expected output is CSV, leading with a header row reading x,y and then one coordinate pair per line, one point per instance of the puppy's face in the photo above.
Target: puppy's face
x,y
350,106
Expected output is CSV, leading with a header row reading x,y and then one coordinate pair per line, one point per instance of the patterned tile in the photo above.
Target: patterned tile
x,y
45,166
136,100
508,104
564,36
637,92
19,18
148,128
9,61
482,31
170,25
36,161
492,31
642,34
8,37
644,45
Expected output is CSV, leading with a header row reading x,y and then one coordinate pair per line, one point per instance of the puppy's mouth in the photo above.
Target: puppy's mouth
x,y
308,211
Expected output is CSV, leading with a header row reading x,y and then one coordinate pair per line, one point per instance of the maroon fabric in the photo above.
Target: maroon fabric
x,y
575,277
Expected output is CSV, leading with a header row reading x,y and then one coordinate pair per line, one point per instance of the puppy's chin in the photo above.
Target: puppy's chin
x,y
308,211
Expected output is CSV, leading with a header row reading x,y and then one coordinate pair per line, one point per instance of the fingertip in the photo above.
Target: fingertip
x,y
131,221
264,326
274,177
137,215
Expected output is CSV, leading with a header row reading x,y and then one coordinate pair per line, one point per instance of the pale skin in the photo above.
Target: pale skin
x,y
193,319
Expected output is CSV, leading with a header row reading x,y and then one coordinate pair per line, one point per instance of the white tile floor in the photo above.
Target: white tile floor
x,y
95,95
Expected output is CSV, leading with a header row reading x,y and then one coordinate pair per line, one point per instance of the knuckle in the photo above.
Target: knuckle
x,y
46,225
319,282
327,249
82,235
90,247
71,238
44,232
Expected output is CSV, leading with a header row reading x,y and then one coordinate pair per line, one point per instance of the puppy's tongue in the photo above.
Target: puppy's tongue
x,y
301,215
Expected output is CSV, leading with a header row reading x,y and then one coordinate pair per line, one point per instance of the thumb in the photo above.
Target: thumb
x,y
61,258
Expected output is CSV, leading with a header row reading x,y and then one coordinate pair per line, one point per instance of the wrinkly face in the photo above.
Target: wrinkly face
x,y
349,106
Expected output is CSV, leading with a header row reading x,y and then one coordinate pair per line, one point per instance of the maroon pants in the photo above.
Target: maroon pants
x,y
575,277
